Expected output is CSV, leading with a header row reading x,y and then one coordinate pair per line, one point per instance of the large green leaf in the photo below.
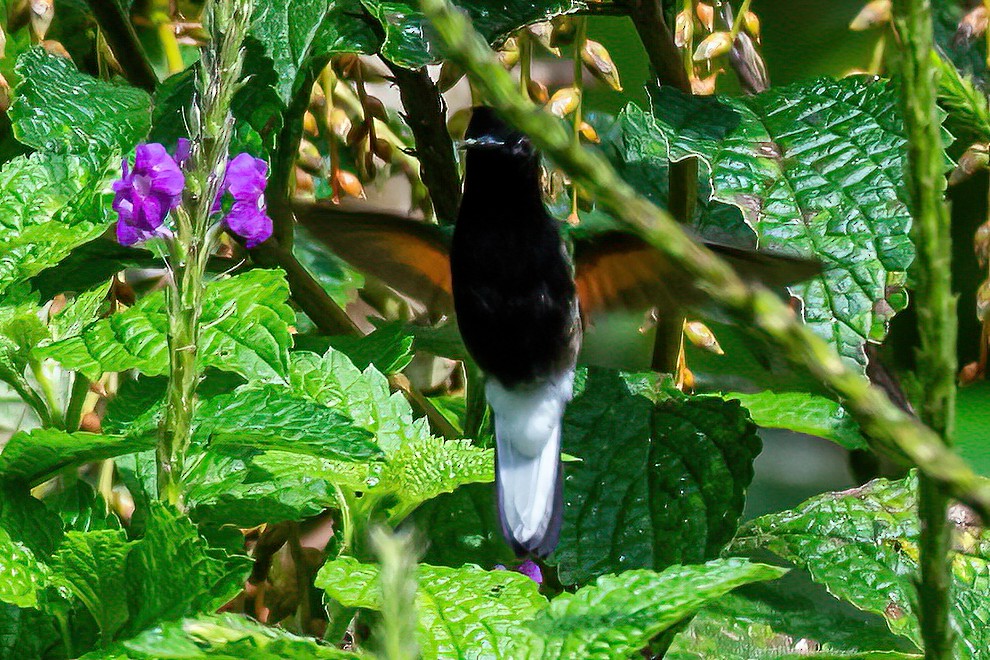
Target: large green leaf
x,y
407,32
463,528
224,636
805,413
462,612
967,106
245,325
862,545
658,484
28,633
28,521
59,110
92,565
618,615
818,170
30,457
21,329
23,575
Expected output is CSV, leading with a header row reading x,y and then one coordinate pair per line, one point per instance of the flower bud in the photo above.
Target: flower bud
x,y
340,123
981,244
706,14
357,133
374,107
973,160
383,149
349,184
589,133
42,13
508,54
874,14
983,301
751,24
683,29
701,336
309,123
972,26
714,45
450,75
685,380
564,101
538,92
564,31
599,62
542,32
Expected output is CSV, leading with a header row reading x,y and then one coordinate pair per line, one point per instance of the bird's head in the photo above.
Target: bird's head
x,y
488,135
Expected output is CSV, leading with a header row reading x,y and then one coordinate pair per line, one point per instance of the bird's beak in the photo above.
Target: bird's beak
x,y
483,142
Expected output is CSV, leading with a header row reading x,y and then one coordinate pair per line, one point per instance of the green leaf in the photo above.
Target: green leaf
x,y
667,488
89,265
60,110
92,565
28,521
388,348
79,312
31,457
245,325
270,417
28,633
23,575
82,509
818,170
21,329
862,545
336,277
804,413
463,528
618,615
462,612
226,636
299,34
407,40
966,105
173,572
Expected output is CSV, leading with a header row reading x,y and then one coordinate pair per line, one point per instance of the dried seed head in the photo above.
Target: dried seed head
x,y
599,62
349,184
701,336
309,124
972,26
683,29
450,75
42,13
564,101
543,33
374,107
706,14
973,160
714,45
383,149
538,92
589,133
874,14
357,133
564,30
304,182
508,54
751,24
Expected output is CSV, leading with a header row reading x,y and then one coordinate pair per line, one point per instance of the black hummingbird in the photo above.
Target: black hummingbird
x,y
521,302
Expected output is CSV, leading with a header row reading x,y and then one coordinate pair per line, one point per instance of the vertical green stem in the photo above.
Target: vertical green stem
x,y
935,304
579,38
525,62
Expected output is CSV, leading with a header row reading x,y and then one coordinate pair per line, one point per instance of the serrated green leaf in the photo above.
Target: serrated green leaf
x,y
245,325
30,457
79,312
28,521
618,615
407,32
82,509
92,566
223,636
463,528
862,545
462,612
21,329
667,488
23,575
804,413
173,572
59,110
28,633
388,348
966,105
89,265
818,170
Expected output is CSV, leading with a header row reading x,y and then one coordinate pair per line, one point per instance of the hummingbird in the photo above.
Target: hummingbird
x,y
521,300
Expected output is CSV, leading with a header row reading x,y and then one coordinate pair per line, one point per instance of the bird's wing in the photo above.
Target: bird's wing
x,y
619,270
409,256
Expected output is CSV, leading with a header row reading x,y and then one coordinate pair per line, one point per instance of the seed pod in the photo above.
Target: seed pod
x,y
450,75
971,373
683,29
704,86
349,184
714,45
42,13
874,14
983,300
538,92
4,94
357,133
685,380
706,14
973,160
542,33
749,66
90,423
972,26
340,123
564,31
701,336
508,54
309,124
589,133
373,106
304,182
383,149
751,24
309,155
981,244
347,65
3,43
599,62
564,101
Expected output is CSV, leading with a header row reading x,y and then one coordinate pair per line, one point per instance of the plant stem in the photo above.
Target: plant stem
x,y
581,35
935,305
161,18
889,428
740,17
52,404
116,28
77,399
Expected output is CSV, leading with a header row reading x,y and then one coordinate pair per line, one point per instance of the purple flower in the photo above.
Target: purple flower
x,y
529,568
246,179
144,195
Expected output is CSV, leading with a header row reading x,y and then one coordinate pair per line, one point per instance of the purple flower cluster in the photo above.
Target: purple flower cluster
x,y
146,193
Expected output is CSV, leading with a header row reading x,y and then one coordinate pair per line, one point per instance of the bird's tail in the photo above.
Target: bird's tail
x,y
528,475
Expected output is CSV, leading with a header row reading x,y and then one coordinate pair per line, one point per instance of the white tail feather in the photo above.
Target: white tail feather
x,y
528,421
